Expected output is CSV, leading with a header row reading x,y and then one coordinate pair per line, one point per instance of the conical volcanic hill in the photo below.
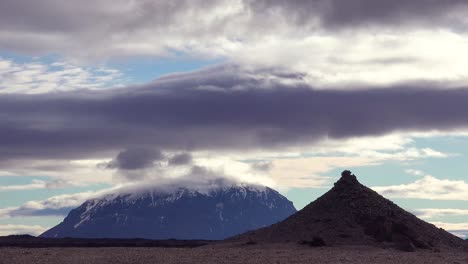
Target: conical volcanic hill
x,y
352,214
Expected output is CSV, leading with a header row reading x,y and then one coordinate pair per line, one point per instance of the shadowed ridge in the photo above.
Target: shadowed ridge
x,y
352,214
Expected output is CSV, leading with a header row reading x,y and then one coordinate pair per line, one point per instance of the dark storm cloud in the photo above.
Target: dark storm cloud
x,y
70,16
218,108
181,159
352,13
62,16
98,29
136,159
54,26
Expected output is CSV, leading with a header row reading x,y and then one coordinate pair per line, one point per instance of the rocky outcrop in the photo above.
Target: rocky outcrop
x,y
352,214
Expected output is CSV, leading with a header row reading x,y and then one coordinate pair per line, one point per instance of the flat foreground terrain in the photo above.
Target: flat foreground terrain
x,y
226,254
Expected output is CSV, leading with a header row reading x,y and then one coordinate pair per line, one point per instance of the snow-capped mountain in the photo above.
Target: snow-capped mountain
x,y
180,214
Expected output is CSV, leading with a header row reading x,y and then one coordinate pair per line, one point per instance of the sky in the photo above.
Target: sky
x,y
99,96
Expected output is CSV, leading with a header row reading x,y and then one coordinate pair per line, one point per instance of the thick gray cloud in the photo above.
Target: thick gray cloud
x,y
352,13
102,26
262,166
122,17
136,159
218,108
181,159
120,28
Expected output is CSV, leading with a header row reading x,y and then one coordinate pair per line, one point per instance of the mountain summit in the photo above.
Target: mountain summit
x,y
181,214
352,214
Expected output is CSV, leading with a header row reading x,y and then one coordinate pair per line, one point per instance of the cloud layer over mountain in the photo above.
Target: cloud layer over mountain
x,y
218,108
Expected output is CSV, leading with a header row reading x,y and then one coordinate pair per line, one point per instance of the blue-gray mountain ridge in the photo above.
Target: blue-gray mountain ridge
x,y
180,214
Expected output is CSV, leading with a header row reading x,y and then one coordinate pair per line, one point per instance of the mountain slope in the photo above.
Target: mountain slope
x,y
352,214
181,214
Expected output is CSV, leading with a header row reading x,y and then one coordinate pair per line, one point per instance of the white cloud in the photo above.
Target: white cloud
x,y
458,229
229,165
428,187
313,172
34,230
40,77
286,170
40,184
63,172
55,205
378,59
310,165
414,172
387,143
393,146
240,33
198,178
404,155
461,233
310,172
35,184
429,213
298,167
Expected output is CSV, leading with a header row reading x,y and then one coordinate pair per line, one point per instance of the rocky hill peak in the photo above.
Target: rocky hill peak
x,y
353,214
347,180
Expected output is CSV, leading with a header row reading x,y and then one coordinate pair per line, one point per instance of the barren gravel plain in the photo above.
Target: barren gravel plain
x,y
283,253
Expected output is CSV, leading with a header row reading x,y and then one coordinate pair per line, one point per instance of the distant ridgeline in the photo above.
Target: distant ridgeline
x,y
181,214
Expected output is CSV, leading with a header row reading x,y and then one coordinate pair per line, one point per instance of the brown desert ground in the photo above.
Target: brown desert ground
x,y
280,253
